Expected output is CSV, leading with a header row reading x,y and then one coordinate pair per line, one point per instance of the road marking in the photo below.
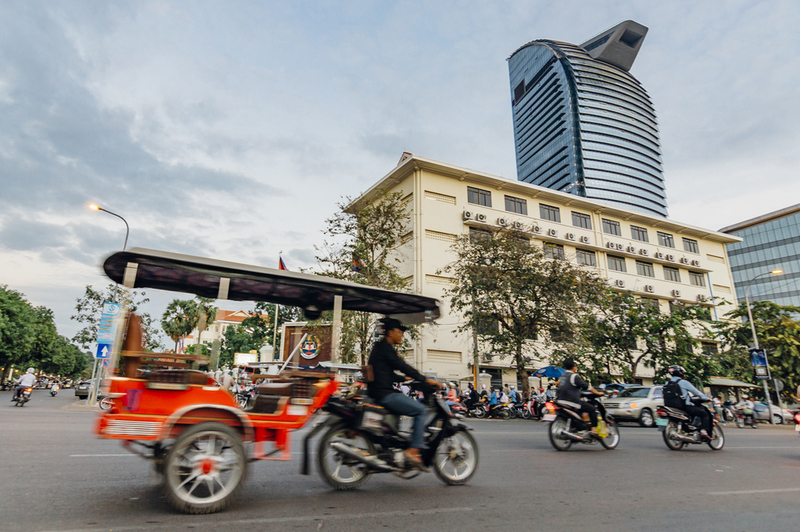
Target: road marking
x,y
272,520
754,492
783,447
99,455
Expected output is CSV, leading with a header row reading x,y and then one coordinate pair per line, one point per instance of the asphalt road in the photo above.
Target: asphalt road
x,y
56,475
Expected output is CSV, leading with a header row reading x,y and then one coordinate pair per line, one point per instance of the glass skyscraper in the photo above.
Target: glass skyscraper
x,y
583,124
769,242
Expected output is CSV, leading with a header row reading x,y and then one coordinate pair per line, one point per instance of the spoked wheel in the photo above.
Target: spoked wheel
x,y
670,432
339,471
557,427
526,414
646,419
505,414
106,403
612,435
717,439
456,458
204,469
479,413
512,413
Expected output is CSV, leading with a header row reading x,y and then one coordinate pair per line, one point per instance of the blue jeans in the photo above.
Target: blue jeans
x,y
403,405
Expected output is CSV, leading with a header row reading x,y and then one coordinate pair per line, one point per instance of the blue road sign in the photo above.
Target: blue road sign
x,y
107,330
103,351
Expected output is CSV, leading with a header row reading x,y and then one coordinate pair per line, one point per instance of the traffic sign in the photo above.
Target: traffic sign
x,y
103,351
107,330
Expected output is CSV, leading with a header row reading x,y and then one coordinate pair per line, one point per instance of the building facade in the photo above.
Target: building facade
x,y
652,256
769,242
583,124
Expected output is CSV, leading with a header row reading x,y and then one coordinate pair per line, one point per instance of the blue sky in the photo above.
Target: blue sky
x,y
231,129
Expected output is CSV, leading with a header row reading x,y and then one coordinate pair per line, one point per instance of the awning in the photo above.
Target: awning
x,y
733,383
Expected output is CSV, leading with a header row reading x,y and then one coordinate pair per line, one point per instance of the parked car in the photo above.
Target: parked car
x,y
636,403
82,390
778,416
618,386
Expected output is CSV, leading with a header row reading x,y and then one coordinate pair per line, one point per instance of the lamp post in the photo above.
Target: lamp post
x,y
755,336
127,227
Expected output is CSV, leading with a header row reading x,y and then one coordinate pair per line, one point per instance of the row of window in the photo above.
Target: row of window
x,y
645,269
482,197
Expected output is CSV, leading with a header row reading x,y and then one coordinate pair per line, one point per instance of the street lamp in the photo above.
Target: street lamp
x,y
755,336
127,227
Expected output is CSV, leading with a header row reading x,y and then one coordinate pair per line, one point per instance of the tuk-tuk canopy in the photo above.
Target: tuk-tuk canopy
x,y
217,279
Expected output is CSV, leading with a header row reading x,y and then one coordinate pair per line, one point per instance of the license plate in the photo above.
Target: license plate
x,y
610,411
549,417
662,422
371,420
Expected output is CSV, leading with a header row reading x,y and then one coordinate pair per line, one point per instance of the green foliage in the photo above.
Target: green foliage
x,y
361,247
502,277
17,328
179,319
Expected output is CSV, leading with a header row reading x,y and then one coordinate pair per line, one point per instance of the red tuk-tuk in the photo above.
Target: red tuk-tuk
x,y
196,433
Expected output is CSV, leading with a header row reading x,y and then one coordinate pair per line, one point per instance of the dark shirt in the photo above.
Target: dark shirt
x,y
570,387
385,361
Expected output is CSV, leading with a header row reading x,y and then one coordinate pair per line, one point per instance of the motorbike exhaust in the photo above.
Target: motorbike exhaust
x,y
371,461
682,438
571,436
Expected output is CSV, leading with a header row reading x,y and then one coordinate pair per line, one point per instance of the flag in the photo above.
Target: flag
x,y
358,264
281,265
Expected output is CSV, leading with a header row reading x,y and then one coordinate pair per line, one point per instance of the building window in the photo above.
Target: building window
x,y
697,279
645,269
586,258
479,196
486,325
546,212
651,302
476,234
672,274
553,251
666,240
581,220
610,227
639,233
516,205
616,263
690,245
709,348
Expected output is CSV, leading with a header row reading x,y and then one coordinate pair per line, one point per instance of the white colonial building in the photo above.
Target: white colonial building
x,y
654,257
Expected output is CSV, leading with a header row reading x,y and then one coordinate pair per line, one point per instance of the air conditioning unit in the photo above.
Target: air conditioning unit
x,y
552,232
630,249
619,283
676,293
684,260
570,236
480,217
643,252
517,225
695,263
619,247
659,255
536,229
469,215
649,288
502,222
670,258
585,239
610,245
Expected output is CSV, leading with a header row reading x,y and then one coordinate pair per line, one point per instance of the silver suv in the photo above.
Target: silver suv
x,y
637,403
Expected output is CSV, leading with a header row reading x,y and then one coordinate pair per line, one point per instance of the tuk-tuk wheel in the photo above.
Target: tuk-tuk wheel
x,y
204,469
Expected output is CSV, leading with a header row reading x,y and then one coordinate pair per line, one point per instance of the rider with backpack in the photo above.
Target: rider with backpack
x,y
677,392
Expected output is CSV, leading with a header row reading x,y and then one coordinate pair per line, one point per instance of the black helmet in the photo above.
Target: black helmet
x,y
677,371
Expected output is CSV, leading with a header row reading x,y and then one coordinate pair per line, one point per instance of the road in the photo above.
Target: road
x,y
56,475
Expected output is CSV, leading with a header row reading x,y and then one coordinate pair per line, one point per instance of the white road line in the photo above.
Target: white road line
x,y
753,492
99,455
783,447
270,520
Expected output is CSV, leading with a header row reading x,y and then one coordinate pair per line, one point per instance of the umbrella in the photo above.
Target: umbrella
x,y
551,372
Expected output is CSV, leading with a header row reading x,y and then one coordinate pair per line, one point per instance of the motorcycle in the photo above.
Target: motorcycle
x,y
570,426
23,397
500,411
479,410
744,420
54,390
361,439
679,431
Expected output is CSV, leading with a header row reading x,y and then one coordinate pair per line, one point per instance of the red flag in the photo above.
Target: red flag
x,y
281,265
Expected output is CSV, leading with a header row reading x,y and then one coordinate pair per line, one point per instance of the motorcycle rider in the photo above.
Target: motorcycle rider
x,y
385,361
513,395
678,374
25,381
569,391
472,397
746,406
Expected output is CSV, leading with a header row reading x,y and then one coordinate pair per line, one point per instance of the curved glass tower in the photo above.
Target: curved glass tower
x,y
583,124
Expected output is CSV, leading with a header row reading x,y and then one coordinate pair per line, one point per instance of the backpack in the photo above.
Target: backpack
x,y
673,394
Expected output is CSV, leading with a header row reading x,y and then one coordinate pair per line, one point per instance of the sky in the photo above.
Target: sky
x,y
232,129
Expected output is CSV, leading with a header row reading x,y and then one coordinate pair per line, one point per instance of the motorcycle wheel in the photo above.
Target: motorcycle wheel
x,y
526,414
728,416
204,469
669,430
479,413
739,423
106,403
338,471
717,439
612,437
456,458
505,414
512,413
556,440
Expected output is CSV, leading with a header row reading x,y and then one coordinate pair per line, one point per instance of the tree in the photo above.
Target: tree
x,y
626,331
509,292
361,246
179,319
206,314
89,309
17,323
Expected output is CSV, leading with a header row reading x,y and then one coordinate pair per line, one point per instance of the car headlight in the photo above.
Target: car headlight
x,y
624,404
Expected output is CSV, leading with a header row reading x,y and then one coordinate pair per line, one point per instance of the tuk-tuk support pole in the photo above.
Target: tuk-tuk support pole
x,y
336,332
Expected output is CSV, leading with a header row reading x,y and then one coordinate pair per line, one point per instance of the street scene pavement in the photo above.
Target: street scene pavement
x,y
57,476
